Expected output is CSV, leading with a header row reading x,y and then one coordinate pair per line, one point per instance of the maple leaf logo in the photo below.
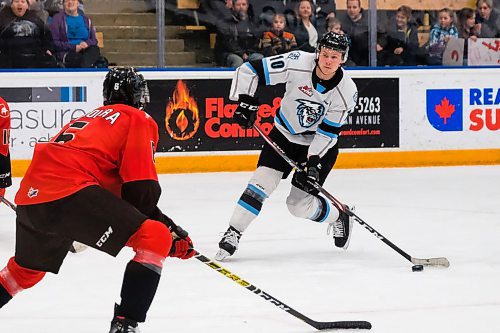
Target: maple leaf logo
x,y
445,110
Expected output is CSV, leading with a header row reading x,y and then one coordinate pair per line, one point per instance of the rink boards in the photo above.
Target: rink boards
x,y
404,117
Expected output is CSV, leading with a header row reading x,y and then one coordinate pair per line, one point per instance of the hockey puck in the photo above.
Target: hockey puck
x,y
417,268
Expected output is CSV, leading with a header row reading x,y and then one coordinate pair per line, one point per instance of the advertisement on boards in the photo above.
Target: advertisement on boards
x,y
446,111
196,115
471,110
37,113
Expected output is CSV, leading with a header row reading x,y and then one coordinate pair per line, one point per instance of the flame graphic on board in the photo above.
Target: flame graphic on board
x,y
182,116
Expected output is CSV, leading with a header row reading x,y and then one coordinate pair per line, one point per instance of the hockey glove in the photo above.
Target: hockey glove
x,y
182,245
309,175
246,112
182,248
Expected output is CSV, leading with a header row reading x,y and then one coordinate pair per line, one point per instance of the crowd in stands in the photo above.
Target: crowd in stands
x,y
250,29
58,33
47,34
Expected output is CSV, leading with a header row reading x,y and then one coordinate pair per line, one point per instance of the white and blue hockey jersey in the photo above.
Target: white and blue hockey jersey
x,y
312,111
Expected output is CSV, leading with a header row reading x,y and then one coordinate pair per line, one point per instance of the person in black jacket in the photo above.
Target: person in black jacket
x,y
237,37
355,25
402,41
25,41
304,26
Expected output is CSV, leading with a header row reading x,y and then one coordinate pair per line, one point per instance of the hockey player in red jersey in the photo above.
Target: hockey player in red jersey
x,y
95,183
5,175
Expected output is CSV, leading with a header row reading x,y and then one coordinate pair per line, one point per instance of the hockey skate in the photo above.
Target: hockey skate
x,y
123,325
342,229
228,244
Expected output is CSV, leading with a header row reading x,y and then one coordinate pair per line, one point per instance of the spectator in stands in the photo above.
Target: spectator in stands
x,y
237,37
277,40
322,10
55,6
467,26
74,37
355,24
325,9
304,26
211,11
489,18
402,40
333,24
37,7
440,35
265,9
25,41
322,7
467,29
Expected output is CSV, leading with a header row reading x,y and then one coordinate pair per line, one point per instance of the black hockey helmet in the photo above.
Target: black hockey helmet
x,y
335,41
124,85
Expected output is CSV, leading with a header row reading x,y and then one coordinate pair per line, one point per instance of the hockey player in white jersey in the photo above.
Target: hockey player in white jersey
x,y
318,98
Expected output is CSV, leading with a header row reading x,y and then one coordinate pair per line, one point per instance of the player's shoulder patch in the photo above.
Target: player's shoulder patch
x,y
294,55
4,108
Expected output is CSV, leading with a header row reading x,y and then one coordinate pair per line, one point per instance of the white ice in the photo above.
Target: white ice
x,y
428,212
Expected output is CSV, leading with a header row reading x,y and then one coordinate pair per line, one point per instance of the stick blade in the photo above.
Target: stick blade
x,y
441,261
328,325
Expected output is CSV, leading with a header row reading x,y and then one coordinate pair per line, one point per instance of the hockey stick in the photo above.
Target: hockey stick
x,y
316,324
441,261
319,325
7,202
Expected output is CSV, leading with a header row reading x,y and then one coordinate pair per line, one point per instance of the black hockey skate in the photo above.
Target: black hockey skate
x,y
228,244
342,229
121,324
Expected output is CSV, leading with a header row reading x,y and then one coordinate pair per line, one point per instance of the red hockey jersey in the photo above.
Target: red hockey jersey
x,y
5,168
109,146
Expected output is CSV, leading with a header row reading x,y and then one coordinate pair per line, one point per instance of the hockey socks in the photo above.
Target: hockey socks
x,y
138,290
15,278
4,296
323,210
151,242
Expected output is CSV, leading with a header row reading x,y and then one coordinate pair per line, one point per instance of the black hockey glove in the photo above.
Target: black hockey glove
x,y
246,112
182,245
310,174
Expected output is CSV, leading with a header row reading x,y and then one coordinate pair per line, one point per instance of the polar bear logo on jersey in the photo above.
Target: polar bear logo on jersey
x,y
309,112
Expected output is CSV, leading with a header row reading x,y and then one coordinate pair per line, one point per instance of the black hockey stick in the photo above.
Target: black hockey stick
x,y
7,202
319,325
441,261
316,324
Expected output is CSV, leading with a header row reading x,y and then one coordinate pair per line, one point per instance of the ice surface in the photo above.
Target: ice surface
x,y
429,212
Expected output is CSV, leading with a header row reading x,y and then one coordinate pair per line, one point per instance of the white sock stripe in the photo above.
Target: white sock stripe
x,y
146,258
11,284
